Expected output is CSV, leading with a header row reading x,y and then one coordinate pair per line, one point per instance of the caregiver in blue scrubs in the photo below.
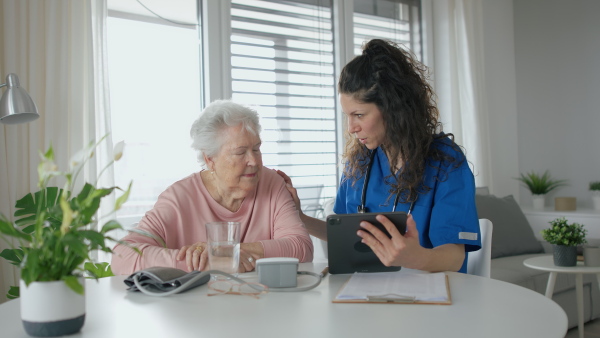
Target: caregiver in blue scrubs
x,y
397,158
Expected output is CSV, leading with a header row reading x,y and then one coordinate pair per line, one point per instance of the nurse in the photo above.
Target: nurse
x,y
397,158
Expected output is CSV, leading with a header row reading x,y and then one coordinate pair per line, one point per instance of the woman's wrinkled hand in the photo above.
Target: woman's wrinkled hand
x,y
195,256
247,262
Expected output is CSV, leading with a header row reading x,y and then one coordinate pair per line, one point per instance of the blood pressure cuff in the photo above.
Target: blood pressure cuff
x,y
163,280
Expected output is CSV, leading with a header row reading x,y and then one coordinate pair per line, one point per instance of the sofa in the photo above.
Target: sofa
x,y
513,241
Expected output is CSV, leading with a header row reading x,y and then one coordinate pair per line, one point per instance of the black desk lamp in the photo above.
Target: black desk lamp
x,y
16,106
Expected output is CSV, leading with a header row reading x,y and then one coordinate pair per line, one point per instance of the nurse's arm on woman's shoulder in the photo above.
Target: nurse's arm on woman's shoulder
x,y
315,226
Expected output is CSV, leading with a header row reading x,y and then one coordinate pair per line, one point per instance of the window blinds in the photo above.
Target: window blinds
x,y
282,63
395,20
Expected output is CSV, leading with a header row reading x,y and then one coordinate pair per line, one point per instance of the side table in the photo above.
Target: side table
x,y
546,263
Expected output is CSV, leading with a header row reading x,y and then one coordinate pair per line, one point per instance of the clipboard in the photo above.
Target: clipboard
x,y
388,297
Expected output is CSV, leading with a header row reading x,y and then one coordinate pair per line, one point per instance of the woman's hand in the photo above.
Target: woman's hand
x,y
195,255
398,250
247,262
249,253
406,251
291,189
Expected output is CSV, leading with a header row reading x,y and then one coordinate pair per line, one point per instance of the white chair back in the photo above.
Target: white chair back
x,y
310,195
480,261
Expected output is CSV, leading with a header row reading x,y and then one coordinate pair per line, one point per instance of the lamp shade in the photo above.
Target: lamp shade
x,y
16,106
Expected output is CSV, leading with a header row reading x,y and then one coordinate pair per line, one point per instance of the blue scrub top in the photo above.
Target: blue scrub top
x,y
446,214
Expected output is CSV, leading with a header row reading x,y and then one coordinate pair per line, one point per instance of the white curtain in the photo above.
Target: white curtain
x,y
56,48
454,37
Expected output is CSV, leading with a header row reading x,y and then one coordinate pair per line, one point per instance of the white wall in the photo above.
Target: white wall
x,y
499,69
557,54
542,74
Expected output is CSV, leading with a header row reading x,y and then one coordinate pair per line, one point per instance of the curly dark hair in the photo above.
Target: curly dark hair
x,y
397,83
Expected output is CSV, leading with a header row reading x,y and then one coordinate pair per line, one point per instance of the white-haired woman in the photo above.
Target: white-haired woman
x,y
234,187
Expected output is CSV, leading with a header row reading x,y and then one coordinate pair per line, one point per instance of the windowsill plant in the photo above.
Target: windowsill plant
x,y
540,185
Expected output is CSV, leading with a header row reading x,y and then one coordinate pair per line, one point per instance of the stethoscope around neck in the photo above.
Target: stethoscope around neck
x,y
361,209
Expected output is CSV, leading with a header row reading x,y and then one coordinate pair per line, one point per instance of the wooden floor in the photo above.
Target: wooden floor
x,y
591,330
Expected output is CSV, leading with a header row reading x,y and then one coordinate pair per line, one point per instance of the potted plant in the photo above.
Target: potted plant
x,y
539,186
56,230
564,238
595,189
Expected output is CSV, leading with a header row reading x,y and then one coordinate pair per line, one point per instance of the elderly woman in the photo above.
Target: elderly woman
x,y
234,187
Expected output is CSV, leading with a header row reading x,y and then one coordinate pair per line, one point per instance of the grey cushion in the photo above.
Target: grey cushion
x,y
482,191
512,234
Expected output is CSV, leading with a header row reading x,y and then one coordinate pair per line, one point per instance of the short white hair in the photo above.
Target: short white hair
x,y
218,115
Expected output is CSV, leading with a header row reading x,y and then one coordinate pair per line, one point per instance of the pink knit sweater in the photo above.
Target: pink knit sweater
x,y
267,215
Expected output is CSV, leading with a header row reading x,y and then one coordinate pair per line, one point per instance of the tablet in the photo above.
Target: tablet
x,y
345,251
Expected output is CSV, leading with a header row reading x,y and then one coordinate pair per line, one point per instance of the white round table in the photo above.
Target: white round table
x,y
546,263
481,307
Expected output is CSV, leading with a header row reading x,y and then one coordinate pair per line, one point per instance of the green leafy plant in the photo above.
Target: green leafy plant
x,y
98,270
595,186
540,184
563,233
56,229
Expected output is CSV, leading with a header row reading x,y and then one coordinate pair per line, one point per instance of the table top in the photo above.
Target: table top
x,y
481,307
546,263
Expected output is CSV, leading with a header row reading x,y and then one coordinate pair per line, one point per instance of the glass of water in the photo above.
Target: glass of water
x,y
223,239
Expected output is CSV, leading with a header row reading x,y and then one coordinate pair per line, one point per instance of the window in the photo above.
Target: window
x,y
154,92
282,61
285,57
387,19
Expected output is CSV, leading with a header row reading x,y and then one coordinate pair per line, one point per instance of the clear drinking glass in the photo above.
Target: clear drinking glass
x,y
223,239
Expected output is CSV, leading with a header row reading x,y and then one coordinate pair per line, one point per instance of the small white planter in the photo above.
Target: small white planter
x,y
51,309
538,201
596,199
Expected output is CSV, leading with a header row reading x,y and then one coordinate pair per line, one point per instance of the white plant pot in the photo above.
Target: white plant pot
x,y
51,309
596,200
539,201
